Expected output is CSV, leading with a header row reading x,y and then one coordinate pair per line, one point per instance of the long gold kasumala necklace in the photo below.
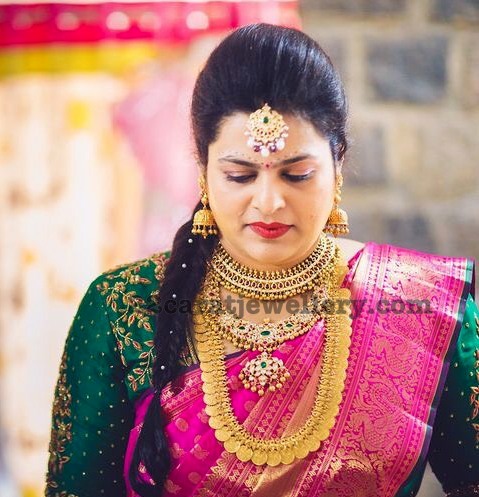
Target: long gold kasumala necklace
x,y
315,430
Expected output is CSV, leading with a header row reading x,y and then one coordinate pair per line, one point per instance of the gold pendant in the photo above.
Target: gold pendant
x,y
264,373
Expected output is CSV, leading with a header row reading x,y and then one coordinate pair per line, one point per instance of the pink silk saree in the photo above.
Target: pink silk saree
x,y
397,366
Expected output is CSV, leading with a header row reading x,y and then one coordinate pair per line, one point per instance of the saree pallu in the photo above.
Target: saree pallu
x,y
398,359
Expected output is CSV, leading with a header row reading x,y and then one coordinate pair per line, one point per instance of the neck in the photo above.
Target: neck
x,y
269,269
257,311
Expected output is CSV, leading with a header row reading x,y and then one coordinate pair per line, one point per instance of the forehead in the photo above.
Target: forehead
x,y
302,138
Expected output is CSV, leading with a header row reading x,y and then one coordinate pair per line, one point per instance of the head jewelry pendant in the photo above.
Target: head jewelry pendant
x,y
266,131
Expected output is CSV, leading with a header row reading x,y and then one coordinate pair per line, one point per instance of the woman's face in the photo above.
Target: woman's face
x,y
294,187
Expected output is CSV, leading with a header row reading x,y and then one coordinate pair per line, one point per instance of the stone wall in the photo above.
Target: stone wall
x,y
411,71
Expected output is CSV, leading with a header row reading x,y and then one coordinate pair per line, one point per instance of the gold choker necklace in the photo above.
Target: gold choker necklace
x,y
273,285
316,429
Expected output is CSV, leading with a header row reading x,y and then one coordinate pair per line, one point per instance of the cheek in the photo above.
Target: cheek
x,y
225,201
216,193
317,203
320,196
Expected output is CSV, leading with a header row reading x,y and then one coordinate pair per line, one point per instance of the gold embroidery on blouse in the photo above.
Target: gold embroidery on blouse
x,y
130,309
61,429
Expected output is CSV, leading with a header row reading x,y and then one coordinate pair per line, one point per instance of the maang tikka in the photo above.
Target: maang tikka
x,y
337,223
203,221
266,131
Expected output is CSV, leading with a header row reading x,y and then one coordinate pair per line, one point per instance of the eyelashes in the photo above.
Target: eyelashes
x,y
296,178
293,178
239,179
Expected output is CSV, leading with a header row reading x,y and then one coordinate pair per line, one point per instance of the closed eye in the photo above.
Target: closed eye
x,y
240,179
294,178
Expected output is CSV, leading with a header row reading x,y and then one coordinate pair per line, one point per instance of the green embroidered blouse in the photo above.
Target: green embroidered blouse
x,y
106,366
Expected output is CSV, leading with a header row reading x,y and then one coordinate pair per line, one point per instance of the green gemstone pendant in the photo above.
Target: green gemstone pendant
x,y
264,373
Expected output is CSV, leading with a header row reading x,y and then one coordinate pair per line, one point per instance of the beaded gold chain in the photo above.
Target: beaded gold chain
x,y
272,285
316,429
266,336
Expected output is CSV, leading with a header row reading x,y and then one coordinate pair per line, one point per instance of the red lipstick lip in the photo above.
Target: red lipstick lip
x,y
271,226
273,230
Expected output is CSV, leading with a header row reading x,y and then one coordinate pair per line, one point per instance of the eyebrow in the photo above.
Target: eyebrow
x,y
285,162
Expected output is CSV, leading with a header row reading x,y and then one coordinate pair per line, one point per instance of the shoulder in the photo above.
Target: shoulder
x,y
417,268
141,277
152,267
129,293
411,257
132,289
349,247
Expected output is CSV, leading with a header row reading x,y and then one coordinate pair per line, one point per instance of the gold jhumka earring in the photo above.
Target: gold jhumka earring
x,y
266,131
203,221
337,223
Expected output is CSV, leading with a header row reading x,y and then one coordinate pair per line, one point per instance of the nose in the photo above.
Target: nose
x,y
268,196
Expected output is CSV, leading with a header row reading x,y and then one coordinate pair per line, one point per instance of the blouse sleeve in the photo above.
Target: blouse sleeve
x,y
454,450
91,412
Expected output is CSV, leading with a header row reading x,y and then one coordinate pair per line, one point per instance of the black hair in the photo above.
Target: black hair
x,y
254,65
